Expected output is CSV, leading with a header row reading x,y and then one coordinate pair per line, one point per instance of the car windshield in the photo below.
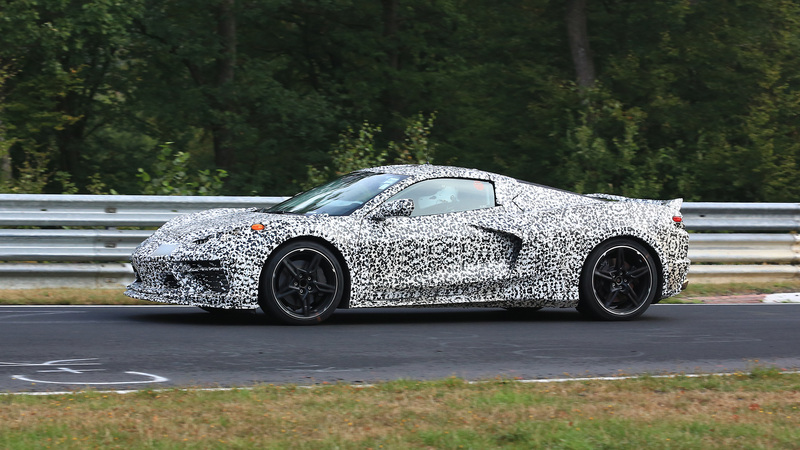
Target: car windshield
x,y
339,197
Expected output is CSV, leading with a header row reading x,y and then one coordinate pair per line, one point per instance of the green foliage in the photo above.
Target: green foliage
x,y
605,152
171,176
5,142
693,99
356,150
34,176
417,147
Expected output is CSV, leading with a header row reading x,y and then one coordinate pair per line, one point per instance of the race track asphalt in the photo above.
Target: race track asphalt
x,y
57,348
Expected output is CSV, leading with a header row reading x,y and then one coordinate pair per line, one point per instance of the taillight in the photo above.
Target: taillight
x,y
677,220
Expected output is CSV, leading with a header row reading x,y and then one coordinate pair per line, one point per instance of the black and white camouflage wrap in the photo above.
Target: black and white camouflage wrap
x,y
526,251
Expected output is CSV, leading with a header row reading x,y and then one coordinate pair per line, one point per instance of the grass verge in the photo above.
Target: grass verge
x,y
69,296
695,292
747,410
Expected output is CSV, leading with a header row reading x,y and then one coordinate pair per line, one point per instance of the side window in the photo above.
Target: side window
x,y
446,195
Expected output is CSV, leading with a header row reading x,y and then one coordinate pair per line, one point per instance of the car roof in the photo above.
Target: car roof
x,y
433,171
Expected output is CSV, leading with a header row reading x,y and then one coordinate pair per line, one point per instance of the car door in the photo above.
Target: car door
x,y
439,251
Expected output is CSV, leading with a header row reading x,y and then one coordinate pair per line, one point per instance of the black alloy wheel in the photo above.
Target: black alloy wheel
x,y
301,284
619,281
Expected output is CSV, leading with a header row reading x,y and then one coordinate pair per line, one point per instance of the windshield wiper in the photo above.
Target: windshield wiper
x,y
280,211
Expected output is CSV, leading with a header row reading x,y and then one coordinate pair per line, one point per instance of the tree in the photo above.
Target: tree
x,y
664,98
66,79
579,46
357,149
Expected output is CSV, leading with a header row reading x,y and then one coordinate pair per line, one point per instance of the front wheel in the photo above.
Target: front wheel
x,y
301,284
619,280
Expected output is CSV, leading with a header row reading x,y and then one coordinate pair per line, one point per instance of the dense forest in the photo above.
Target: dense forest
x,y
662,98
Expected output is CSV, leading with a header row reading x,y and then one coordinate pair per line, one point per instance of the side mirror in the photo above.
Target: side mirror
x,y
396,208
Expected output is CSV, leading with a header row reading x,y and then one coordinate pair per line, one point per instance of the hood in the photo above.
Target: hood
x,y
190,227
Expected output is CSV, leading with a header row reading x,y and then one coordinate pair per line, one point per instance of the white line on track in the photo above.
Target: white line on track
x,y
543,380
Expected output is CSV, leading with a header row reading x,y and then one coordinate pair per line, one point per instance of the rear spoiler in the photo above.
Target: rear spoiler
x,y
674,204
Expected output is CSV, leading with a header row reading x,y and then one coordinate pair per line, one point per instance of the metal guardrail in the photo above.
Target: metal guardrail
x,y
84,275
69,245
33,258
96,257
111,210
737,248
741,258
742,217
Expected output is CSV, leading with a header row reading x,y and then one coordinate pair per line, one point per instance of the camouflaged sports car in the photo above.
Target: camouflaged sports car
x,y
418,236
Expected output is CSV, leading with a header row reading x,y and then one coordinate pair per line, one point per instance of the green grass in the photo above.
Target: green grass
x,y
67,296
758,409
712,290
695,293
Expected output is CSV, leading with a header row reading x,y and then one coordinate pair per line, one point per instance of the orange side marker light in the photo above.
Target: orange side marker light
x,y
257,226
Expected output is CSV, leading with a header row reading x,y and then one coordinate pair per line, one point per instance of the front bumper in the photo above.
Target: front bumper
x,y
198,283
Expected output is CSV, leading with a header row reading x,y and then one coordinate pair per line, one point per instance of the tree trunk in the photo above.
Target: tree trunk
x,y
5,157
391,26
578,35
70,137
224,154
226,28
391,97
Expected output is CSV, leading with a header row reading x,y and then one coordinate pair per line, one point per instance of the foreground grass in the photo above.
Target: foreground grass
x,y
747,410
68,296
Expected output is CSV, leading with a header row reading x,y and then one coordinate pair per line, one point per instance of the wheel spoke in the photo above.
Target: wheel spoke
x,y
603,275
314,264
305,304
639,272
631,296
289,265
621,258
611,298
324,287
289,290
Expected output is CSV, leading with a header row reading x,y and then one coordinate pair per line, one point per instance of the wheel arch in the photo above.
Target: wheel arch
x,y
602,301
650,248
345,301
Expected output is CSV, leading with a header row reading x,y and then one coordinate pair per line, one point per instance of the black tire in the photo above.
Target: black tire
x,y
619,281
301,284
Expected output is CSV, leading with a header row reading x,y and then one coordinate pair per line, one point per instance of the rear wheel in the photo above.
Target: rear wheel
x,y
301,284
619,281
